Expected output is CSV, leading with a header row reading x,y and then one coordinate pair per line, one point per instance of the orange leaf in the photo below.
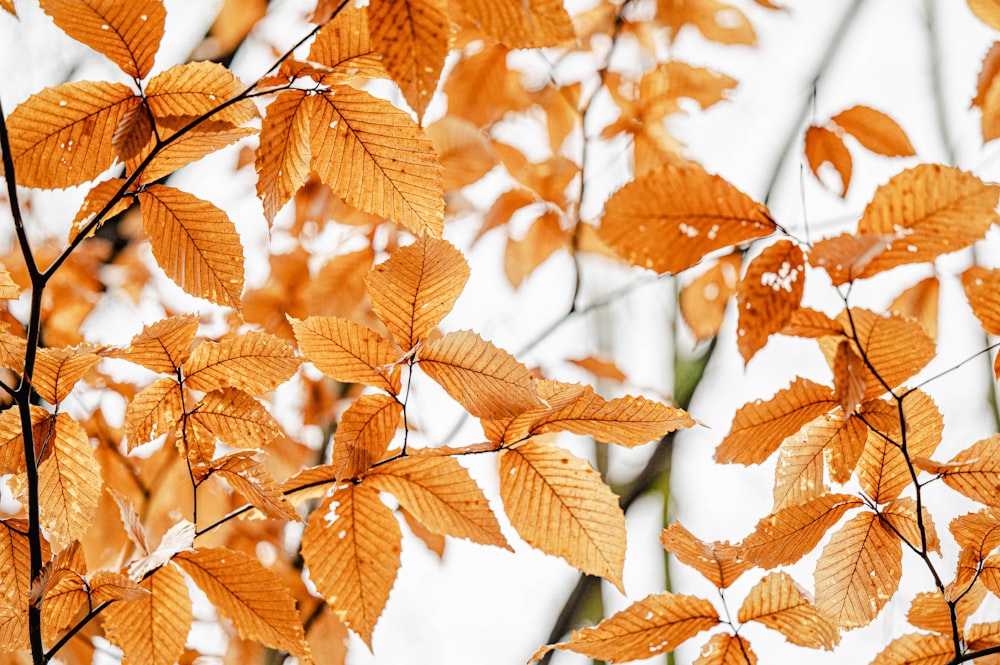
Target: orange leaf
x,y
988,72
63,591
466,156
61,136
364,433
843,440
975,472
560,505
69,483
58,370
726,649
107,586
282,159
788,534
858,571
412,37
706,16
12,437
441,495
153,412
600,367
770,291
236,418
657,624
164,345
249,477
376,158
811,324
901,514
977,534
920,302
128,33
185,92
416,287
782,605
703,301
988,94
545,236
982,288
759,427
486,380
8,6
848,376
668,220
152,629
345,46
987,11
194,144
823,146
353,559
717,561
99,196
254,362
521,23
875,131
348,352
798,474
917,649
250,595
931,611
15,561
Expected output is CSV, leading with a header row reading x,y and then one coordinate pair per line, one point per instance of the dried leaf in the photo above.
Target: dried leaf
x,y
194,144
178,538
58,370
844,441
253,362
975,472
364,433
416,287
521,23
194,243
441,495
848,376
726,649
97,198
69,483
823,146
12,437
716,21
236,418
930,610
982,288
858,571
353,559
601,368
920,302
875,131
901,515
977,534
249,477
798,474
545,237
348,352
717,562
560,505
108,586
703,302
656,624
15,566
250,595
152,630
782,605
466,156
153,412
127,33
770,291
61,590
345,46
917,649
987,11
283,158
164,345
196,90
671,218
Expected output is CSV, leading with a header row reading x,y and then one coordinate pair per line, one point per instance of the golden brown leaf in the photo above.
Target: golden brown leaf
x,y
845,257
8,6
376,158
236,418
521,23
875,131
987,11
560,505
253,362
128,33
107,586
901,515
798,474
195,244
504,207
441,495
977,534
990,575
759,427
164,345
12,438
12,350
703,302
930,610
434,542
858,571
496,88
465,154
657,624
152,630
250,595
920,302
848,376
353,559
153,412
988,72
717,562
283,158
348,352
194,144
364,433
345,46
917,649
770,291
339,286
975,472
15,565
416,287
62,589
716,21
823,146
600,367
983,632
97,198
486,380
249,477
185,92
671,218
982,288
70,483
545,237
412,37
58,370
726,649
782,605
61,136
843,441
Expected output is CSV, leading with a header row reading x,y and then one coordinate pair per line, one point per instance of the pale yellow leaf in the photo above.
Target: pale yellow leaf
x,y
282,159
441,495
128,33
131,522
703,302
254,362
195,90
671,218
917,649
195,244
717,561
61,136
858,571
788,534
782,605
875,131
364,433
70,483
152,630
416,287
348,352
726,649
164,345
249,477
823,146
58,370
353,555
486,380
178,538
767,295
250,595
560,505
236,418
153,412
521,23
657,624
982,289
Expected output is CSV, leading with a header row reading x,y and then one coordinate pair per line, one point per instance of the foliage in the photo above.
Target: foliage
x,y
120,515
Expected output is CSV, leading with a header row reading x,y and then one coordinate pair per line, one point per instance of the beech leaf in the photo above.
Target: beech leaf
x,y
717,562
254,362
154,628
70,482
875,131
770,291
348,352
782,605
364,433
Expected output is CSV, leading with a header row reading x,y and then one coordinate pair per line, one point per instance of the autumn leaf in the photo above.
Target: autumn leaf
x,y
545,236
982,286
726,649
183,149
717,562
977,534
250,595
69,482
782,605
194,243
823,146
353,559
657,624
901,515
560,505
858,571
97,198
759,427
254,362
12,437
486,380
705,15
931,610
466,156
152,629
917,648
15,564
348,352
249,477
974,472
843,443
920,302
364,433
521,23
798,474
236,418
875,131
108,586
849,380
61,590
600,367
58,370
164,345
195,90
282,159
770,291
703,302
670,219
61,136
441,495
127,33
153,412
986,11
345,46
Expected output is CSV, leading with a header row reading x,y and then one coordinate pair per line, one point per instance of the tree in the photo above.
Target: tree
x,y
281,419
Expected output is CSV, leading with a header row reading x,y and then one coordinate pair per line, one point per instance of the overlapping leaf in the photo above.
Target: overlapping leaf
x,y
236,418
717,562
58,370
560,505
782,605
977,534
192,145
917,648
249,477
63,591
345,45
346,351
282,160
931,610
920,302
15,564
901,515
521,23
12,437
364,433
669,219
254,362
152,630
69,482
164,345
353,559
799,472
184,92
770,291
974,472
982,288
153,412
726,649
